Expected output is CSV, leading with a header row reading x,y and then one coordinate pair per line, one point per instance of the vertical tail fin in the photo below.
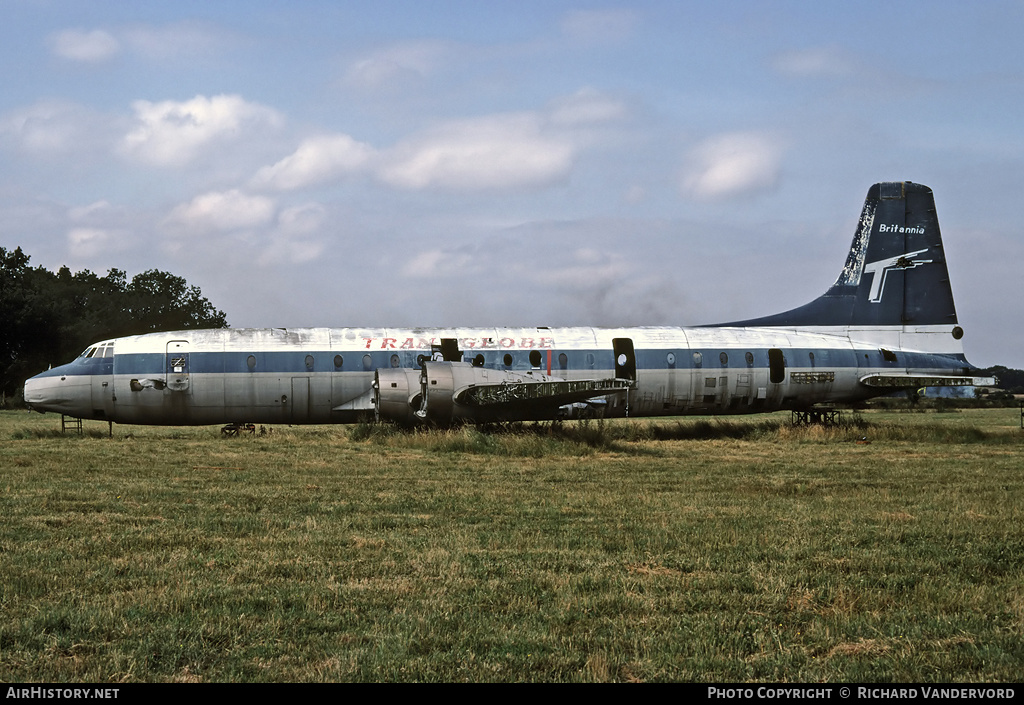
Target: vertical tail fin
x,y
895,274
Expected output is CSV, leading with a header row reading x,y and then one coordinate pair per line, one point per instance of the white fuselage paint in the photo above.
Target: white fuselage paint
x,y
292,375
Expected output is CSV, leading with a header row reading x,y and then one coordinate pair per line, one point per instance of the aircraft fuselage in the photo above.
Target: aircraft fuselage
x,y
887,323
328,375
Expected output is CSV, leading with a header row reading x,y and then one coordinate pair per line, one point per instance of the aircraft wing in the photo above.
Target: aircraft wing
x,y
540,393
443,392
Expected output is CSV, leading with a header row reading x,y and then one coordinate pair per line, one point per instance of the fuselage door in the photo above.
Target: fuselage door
x,y
177,365
300,400
625,358
776,366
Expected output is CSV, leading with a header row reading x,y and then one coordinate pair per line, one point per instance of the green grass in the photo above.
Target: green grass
x,y
891,549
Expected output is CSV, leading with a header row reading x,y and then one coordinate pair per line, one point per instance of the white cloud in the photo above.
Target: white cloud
x,y
439,263
295,239
98,212
280,250
301,220
84,243
81,45
733,164
586,107
228,210
503,151
54,126
172,133
100,229
317,160
396,63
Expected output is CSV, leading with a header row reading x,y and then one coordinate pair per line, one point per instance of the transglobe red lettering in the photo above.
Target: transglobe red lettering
x,y
464,343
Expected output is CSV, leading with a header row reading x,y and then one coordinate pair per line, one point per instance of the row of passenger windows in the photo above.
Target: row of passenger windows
x,y
748,357
478,361
396,361
723,359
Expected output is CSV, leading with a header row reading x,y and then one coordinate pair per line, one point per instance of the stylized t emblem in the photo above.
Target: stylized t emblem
x,y
882,267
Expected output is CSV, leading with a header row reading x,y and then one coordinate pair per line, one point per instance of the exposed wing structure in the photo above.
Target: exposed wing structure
x,y
448,392
539,392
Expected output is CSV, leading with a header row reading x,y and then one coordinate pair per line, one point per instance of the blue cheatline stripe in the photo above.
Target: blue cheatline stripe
x,y
294,362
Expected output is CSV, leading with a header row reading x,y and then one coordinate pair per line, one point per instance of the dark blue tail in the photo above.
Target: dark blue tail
x,y
895,274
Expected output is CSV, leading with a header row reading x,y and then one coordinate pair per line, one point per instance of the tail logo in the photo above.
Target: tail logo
x,y
881,268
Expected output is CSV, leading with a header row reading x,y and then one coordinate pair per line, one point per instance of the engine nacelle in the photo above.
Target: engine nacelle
x,y
397,394
446,393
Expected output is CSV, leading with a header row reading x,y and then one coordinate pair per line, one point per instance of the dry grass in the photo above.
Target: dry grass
x,y
633,551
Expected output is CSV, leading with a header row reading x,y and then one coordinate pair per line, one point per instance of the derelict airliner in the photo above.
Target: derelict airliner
x,y
888,323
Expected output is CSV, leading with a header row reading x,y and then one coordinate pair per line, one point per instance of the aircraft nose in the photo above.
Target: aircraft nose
x,y
58,392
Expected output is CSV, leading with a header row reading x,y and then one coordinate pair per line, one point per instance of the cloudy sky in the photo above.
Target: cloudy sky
x,y
343,163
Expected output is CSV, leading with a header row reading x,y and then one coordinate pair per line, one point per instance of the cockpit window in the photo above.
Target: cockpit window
x,y
102,350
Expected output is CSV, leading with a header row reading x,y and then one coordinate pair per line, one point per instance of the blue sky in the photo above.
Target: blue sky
x,y
527,163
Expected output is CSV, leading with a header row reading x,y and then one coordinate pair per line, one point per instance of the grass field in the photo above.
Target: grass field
x,y
891,549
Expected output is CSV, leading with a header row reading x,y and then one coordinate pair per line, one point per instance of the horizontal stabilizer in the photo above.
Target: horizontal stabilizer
x,y
909,381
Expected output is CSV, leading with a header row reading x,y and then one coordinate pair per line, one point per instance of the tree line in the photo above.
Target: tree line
x,y
1010,380
47,318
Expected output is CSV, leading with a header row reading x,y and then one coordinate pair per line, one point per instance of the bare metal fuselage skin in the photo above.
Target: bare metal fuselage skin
x,y
321,375
887,323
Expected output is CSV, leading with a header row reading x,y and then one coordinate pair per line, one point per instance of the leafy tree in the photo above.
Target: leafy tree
x,y
1009,379
28,319
162,301
48,317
